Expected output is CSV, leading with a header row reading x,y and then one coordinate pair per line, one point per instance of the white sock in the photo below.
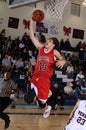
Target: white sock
x,y
49,108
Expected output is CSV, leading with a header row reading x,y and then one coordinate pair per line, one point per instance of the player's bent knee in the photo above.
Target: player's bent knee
x,y
41,104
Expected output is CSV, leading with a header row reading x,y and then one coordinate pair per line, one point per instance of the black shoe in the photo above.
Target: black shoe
x,y
62,108
13,106
7,122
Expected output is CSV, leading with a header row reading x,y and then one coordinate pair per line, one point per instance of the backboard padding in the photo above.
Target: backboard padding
x,y
17,3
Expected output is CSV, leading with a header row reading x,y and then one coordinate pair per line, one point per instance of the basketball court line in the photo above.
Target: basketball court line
x,y
29,113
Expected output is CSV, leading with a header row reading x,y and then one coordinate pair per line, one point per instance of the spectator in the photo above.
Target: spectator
x,y
80,75
25,37
81,86
9,43
62,44
21,45
25,55
68,89
15,52
70,71
3,32
28,68
6,63
81,50
67,45
68,62
84,60
19,63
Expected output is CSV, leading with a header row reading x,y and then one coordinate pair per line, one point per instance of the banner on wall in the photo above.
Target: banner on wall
x,y
66,30
26,24
41,27
77,33
13,22
53,30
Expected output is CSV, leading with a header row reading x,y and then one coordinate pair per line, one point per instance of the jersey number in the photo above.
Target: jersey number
x,y
42,66
81,121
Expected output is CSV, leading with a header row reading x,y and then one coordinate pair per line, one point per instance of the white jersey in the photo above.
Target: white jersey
x,y
78,122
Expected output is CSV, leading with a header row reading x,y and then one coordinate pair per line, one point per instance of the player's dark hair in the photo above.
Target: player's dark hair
x,y
55,42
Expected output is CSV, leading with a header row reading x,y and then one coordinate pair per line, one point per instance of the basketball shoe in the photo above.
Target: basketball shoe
x,y
47,112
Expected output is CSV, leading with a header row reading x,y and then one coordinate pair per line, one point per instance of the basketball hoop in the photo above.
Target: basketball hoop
x,y
55,9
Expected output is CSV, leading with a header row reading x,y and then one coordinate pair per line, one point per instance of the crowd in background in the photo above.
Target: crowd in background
x,y
15,55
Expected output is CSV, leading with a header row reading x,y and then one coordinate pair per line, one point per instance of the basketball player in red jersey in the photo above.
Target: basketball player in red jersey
x,y
47,58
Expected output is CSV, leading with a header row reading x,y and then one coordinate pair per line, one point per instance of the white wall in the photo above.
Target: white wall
x,y
25,12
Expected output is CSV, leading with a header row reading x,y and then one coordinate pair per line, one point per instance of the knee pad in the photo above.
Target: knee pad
x,y
41,104
29,95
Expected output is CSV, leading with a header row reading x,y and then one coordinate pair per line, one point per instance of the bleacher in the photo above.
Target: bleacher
x,y
61,80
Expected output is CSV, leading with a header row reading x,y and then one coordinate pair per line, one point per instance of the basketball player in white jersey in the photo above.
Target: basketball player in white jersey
x,y
77,118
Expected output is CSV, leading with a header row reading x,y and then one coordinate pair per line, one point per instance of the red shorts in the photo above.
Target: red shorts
x,y
43,86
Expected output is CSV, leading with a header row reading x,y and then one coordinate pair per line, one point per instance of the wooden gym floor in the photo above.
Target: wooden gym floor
x,y
29,117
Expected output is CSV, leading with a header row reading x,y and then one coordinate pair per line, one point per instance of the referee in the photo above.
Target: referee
x,y
7,87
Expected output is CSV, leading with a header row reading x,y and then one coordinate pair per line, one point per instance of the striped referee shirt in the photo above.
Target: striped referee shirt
x,y
6,86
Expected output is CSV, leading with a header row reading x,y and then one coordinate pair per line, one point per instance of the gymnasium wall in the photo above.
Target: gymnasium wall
x,y
25,12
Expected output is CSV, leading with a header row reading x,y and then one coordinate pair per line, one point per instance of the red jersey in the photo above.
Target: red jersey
x,y
43,71
45,63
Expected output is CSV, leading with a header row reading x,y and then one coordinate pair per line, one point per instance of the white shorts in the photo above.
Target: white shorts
x,y
36,91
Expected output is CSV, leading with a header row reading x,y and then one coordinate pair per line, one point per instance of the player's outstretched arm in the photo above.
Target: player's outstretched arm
x,y
35,41
73,111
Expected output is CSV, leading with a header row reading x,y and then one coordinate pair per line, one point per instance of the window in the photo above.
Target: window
x,y
75,9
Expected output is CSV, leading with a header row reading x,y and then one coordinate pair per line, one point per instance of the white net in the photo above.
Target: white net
x,y
55,9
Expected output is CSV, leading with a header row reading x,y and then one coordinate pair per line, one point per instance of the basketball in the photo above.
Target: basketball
x,y
38,15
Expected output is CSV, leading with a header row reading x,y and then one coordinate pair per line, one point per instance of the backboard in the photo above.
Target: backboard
x,y
17,3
